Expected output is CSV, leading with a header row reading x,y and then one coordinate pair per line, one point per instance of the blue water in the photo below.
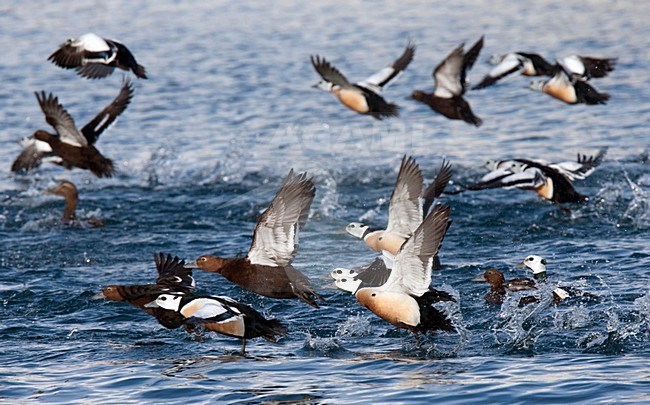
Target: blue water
x,y
228,110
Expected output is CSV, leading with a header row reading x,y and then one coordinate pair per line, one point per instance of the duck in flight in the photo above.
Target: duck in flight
x,y
220,314
532,64
364,97
71,147
570,88
406,299
267,269
94,57
450,85
407,208
551,181
173,277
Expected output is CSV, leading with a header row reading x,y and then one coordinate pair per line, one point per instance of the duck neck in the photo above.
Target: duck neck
x,y
541,276
70,208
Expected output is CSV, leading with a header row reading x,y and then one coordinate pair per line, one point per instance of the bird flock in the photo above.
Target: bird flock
x,y
396,286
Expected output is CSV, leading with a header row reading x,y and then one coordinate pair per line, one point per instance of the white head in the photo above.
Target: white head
x,y
537,85
350,285
166,301
536,263
323,85
356,229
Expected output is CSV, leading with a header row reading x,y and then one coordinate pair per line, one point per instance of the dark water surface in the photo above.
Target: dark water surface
x,y
228,110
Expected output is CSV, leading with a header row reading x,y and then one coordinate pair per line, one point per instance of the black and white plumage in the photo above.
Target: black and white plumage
x,y
94,57
36,151
552,181
532,64
451,84
570,88
222,315
364,97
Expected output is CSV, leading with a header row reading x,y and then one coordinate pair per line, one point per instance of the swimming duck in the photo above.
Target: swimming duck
x,y
71,147
532,64
552,181
571,89
222,315
173,277
499,285
405,299
407,207
69,191
363,97
267,269
450,85
538,266
94,57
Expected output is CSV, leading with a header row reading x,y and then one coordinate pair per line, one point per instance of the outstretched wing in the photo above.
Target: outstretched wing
x,y
411,273
328,72
509,64
580,169
530,177
447,75
60,119
109,114
437,187
468,61
405,208
172,273
380,79
275,240
31,156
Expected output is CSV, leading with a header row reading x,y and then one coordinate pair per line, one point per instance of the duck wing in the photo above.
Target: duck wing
x,y
377,81
582,167
405,208
109,114
60,120
509,64
328,72
437,187
447,75
411,273
275,240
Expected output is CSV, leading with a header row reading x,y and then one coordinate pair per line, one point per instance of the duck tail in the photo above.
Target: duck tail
x,y
271,329
139,71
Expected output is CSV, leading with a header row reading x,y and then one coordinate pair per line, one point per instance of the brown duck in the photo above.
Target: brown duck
x,y
267,269
35,151
450,85
69,192
173,277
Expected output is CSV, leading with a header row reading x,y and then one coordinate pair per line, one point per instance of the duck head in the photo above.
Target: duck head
x,y
357,229
166,301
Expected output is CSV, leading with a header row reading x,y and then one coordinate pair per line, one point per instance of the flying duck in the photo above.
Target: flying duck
x,y
173,277
405,299
69,192
552,181
222,315
94,57
407,208
71,147
450,85
267,269
572,89
532,64
364,97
